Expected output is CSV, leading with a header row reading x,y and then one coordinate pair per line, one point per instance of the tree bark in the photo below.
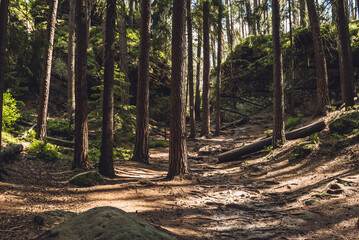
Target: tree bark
x,y
81,118
292,100
106,159
71,63
141,152
235,154
125,100
131,2
302,13
219,71
249,17
45,81
178,162
4,10
321,65
205,131
278,95
345,58
190,72
198,74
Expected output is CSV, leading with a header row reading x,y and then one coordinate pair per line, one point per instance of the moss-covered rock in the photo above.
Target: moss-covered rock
x,y
105,223
302,150
345,123
87,179
50,218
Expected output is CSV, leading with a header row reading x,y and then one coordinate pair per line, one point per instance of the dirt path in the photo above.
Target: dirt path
x,y
263,196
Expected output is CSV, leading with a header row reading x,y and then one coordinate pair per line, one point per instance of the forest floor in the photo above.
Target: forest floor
x,y
261,196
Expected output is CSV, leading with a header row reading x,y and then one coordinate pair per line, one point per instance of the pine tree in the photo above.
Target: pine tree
x,y
178,144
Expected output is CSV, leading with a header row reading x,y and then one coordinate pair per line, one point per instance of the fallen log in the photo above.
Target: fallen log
x,y
60,142
235,112
236,123
12,149
235,154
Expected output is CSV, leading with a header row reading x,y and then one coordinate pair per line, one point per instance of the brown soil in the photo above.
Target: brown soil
x,y
261,196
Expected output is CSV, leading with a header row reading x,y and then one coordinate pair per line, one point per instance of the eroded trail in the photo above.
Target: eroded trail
x,y
262,196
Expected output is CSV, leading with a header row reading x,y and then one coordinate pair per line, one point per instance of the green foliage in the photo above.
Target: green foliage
x,y
268,148
268,132
8,138
345,123
60,128
44,150
157,143
314,138
10,111
293,122
302,150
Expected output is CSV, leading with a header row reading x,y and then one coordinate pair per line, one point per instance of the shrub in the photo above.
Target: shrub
x,y
10,112
293,122
44,150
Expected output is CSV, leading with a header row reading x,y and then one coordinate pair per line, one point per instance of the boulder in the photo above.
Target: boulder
x,y
50,218
87,179
107,223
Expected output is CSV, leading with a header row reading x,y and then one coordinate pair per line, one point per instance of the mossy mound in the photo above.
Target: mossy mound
x,y
50,218
105,223
345,123
302,150
87,179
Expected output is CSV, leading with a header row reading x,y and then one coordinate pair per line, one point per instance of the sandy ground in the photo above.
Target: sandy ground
x,y
261,196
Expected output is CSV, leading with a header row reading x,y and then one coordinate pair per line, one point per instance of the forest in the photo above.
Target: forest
x,y
182,119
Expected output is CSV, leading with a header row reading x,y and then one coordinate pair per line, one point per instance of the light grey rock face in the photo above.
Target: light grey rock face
x,y
105,223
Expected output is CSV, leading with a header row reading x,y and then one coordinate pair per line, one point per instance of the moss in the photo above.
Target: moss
x,y
345,123
87,179
302,150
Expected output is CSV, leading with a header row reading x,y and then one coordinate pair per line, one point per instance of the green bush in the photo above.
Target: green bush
x,y
60,128
44,150
10,112
293,122
157,143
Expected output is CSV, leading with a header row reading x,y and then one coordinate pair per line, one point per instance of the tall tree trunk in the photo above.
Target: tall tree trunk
x,y
106,159
123,54
213,48
198,74
81,108
130,25
249,17
219,70
45,81
205,131
141,152
294,11
345,58
178,163
302,13
228,24
71,63
190,72
4,10
278,96
321,65
255,8
291,57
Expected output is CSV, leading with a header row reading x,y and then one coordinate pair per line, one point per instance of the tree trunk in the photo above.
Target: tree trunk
x,y
291,58
130,25
190,72
123,55
235,154
228,24
249,17
81,119
45,81
71,63
345,58
198,74
4,10
321,65
302,13
178,162
106,159
294,12
205,131
278,95
141,152
219,71
213,48
255,8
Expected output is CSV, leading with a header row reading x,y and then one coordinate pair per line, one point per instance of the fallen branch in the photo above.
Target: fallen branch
x,y
60,142
236,123
13,149
27,132
235,154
